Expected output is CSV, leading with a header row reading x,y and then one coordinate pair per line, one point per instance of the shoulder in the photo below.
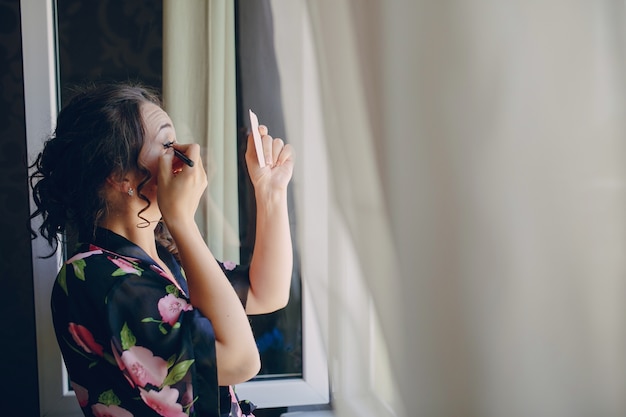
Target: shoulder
x,y
94,272
99,261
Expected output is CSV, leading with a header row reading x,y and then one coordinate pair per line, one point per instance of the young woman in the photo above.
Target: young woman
x,y
148,322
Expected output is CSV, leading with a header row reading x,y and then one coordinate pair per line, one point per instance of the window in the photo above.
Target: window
x,y
42,95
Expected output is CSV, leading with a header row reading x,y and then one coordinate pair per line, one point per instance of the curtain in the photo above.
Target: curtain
x,y
199,94
477,152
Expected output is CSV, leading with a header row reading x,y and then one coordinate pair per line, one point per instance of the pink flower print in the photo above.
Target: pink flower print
x,y
125,266
170,308
164,402
82,395
83,255
121,364
166,276
159,271
240,408
234,404
83,337
143,367
229,265
101,410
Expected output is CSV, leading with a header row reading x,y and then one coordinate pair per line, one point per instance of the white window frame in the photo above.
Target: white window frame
x,y
41,98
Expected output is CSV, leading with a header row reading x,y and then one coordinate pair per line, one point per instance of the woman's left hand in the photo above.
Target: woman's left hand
x,y
272,259
279,160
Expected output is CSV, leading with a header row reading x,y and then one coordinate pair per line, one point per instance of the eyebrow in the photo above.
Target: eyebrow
x,y
163,126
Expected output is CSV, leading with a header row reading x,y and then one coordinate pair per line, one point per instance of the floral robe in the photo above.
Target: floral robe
x,y
132,342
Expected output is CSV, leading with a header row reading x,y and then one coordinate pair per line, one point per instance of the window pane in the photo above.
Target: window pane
x,y
121,40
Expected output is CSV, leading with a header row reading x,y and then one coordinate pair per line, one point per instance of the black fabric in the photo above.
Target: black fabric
x,y
130,338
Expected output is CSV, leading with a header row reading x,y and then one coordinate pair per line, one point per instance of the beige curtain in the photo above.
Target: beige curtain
x,y
199,95
477,150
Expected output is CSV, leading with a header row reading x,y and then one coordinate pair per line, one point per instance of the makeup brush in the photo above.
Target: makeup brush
x,y
179,154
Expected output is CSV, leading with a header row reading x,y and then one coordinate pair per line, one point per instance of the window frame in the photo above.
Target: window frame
x,y
41,107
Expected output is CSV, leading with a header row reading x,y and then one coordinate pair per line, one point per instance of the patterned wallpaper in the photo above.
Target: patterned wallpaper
x,y
18,350
110,40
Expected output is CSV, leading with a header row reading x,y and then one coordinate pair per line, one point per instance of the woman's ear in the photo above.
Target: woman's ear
x,y
120,183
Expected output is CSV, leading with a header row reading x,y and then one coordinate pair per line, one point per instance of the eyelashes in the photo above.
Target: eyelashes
x,y
179,154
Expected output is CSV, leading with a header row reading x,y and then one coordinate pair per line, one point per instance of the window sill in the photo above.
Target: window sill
x,y
318,413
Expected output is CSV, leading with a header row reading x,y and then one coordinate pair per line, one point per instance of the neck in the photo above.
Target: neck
x,y
140,234
122,218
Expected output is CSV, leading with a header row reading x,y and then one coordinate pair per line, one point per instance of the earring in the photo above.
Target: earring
x,y
131,192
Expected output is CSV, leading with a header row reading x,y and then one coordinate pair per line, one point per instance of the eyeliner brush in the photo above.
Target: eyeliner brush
x,y
180,155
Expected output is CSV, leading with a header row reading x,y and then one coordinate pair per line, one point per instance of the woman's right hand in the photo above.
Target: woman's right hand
x,y
178,196
180,187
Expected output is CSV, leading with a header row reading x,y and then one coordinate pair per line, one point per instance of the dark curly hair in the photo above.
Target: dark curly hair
x,y
99,133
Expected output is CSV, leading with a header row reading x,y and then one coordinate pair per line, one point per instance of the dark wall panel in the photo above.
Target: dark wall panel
x,y
18,367
109,40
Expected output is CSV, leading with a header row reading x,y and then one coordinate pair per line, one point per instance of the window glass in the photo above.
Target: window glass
x,y
121,40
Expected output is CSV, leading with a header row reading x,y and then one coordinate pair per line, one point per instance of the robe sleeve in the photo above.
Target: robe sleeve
x,y
159,341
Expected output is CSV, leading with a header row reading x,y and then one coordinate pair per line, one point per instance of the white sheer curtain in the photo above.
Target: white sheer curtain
x,y
477,151
199,95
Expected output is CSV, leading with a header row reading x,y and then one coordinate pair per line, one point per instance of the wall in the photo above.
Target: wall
x,y
109,41
18,350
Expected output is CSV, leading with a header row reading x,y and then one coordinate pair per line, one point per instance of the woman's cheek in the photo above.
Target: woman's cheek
x,y
151,161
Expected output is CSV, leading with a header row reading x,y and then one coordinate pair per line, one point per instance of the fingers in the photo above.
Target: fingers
x,y
275,151
172,164
184,155
285,154
180,186
266,143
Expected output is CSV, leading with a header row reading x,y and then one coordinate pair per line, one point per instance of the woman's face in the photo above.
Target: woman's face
x,y
159,130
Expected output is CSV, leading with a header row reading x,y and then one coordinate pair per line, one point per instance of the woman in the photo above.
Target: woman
x,y
140,335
